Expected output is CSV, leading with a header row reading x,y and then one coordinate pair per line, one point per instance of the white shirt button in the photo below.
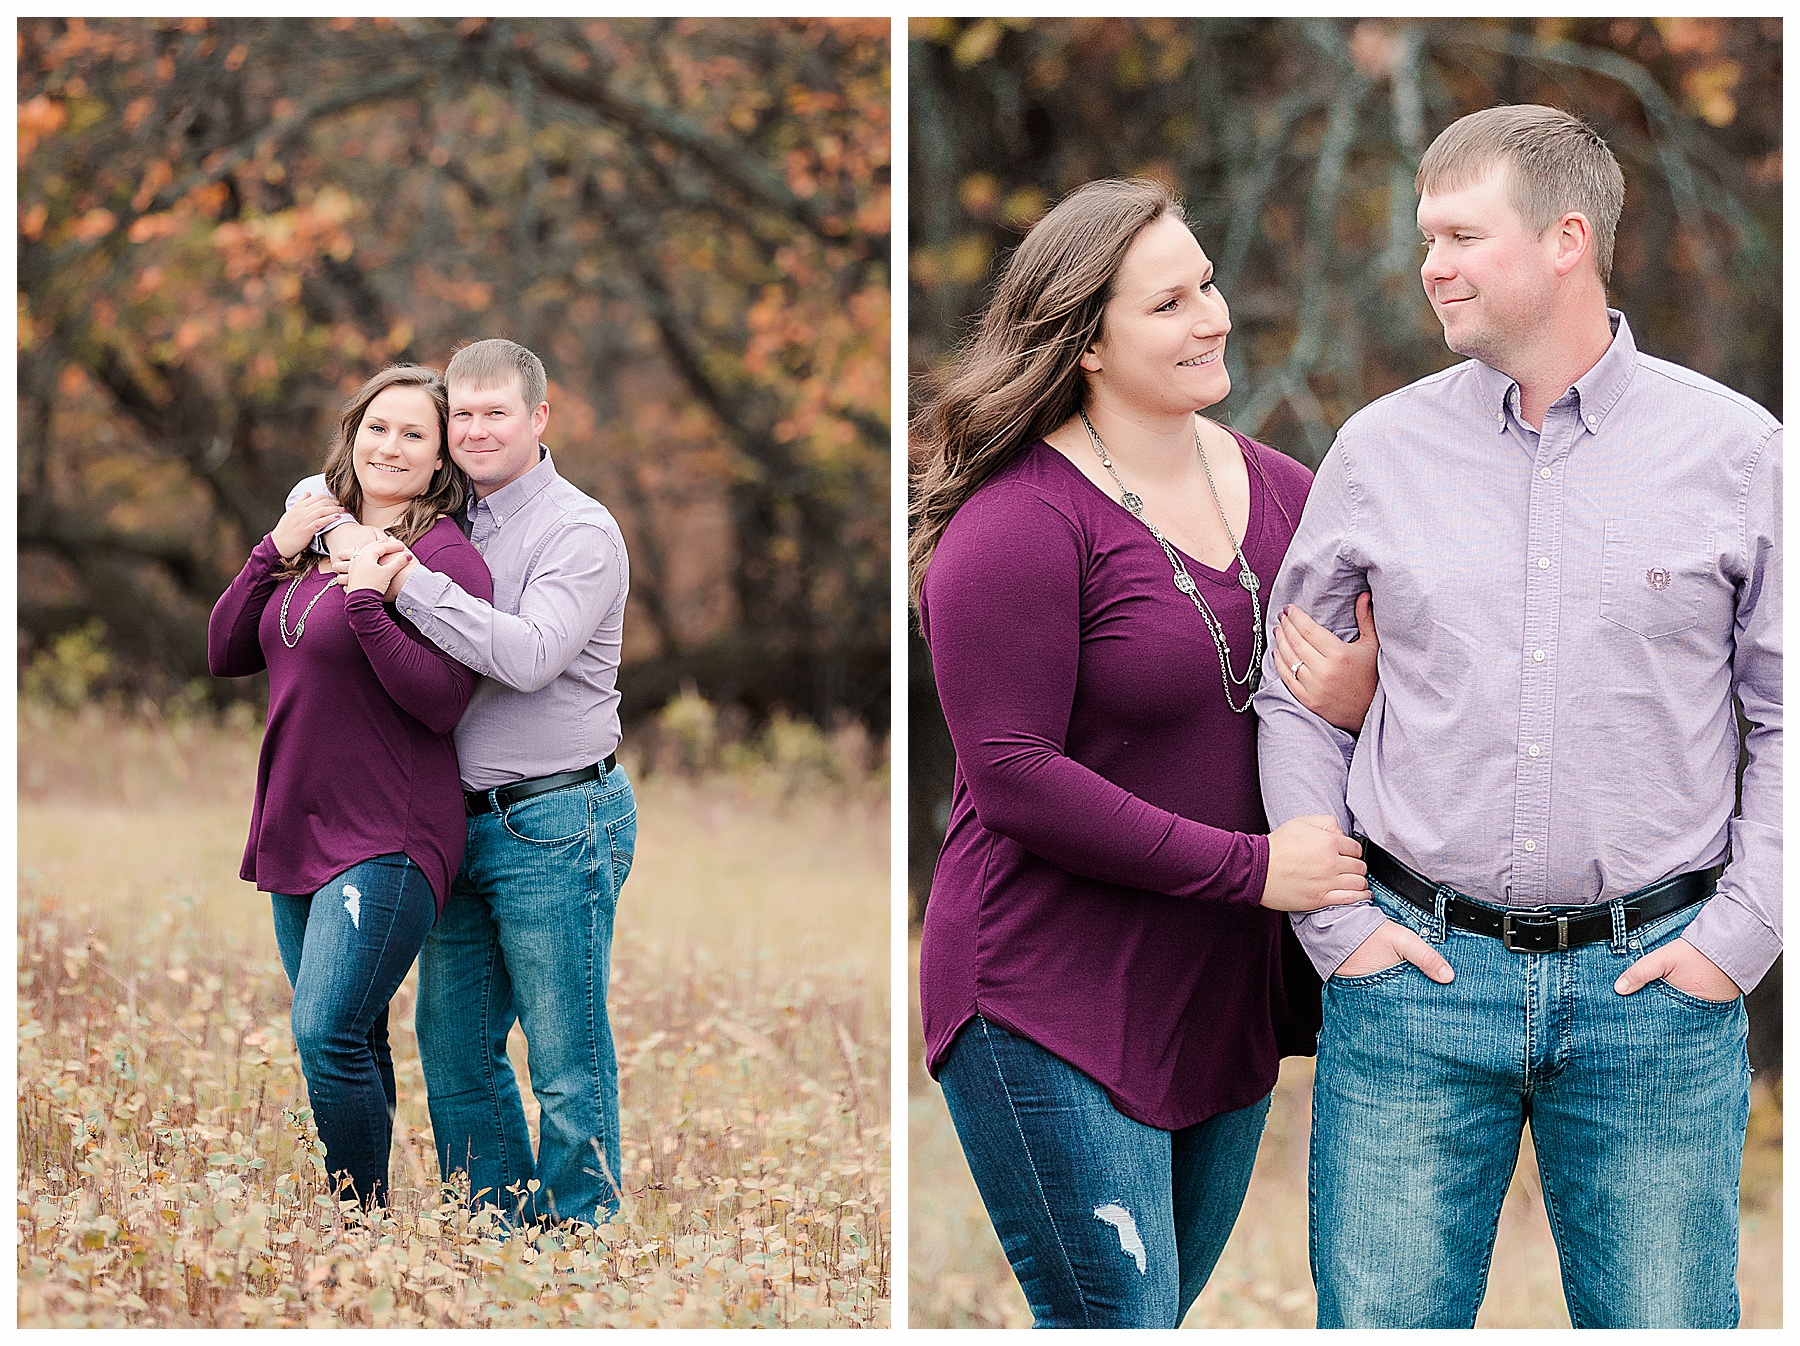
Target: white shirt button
x,y
1544,472
1543,563
1538,655
1535,751
1593,421
1530,845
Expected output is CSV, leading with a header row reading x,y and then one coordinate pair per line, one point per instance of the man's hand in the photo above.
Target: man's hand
x,y
344,542
1337,679
1390,945
377,565
302,522
1684,967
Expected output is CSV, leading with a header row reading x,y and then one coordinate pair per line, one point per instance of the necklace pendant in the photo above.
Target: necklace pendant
x,y
1132,501
1247,578
1185,583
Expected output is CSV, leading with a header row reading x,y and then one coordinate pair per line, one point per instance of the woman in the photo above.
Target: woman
x,y
1107,976
359,822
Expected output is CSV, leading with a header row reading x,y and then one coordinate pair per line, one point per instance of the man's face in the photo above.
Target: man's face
x,y
493,435
1490,277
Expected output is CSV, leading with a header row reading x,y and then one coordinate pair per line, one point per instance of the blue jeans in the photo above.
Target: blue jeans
x,y
1107,1222
1637,1107
526,937
346,949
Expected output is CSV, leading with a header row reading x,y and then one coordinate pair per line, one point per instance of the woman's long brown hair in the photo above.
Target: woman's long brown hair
x,y
1019,376
448,487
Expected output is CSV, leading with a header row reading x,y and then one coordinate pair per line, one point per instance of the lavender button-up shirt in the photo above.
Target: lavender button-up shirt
x,y
1565,618
548,646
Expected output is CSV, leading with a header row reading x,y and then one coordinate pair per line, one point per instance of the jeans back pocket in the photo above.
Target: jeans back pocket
x,y
1654,575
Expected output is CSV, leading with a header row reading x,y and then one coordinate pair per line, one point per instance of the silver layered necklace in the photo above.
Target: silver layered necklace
x,y
281,618
1185,582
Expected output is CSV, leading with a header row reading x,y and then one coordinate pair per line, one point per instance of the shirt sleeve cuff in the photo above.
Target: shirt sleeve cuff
x,y
318,542
424,589
1734,938
1332,935
1259,870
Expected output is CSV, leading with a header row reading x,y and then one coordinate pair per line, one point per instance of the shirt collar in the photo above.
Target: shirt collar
x,y
514,496
1597,392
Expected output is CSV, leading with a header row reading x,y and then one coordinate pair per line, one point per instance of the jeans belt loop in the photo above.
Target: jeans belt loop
x,y
1439,929
1617,908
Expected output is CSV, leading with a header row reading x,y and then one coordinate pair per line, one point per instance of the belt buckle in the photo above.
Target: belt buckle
x,y
1506,930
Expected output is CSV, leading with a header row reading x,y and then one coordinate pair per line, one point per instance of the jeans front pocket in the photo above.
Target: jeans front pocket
x,y
1654,575
1659,932
553,818
1343,983
1693,1002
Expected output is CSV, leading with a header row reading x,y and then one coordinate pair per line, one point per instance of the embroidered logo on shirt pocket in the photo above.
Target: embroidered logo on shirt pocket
x,y
1654,574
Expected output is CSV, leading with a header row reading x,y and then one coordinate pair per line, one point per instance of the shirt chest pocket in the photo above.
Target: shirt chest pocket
x,y
1655,575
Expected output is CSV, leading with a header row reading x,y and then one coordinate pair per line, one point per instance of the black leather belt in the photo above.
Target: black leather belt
x,y
491,801
1540,929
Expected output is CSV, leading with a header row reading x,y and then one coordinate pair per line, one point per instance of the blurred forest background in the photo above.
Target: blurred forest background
x,y
1294,143
227,224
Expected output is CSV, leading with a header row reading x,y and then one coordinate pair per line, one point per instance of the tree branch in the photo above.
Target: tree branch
x,y
731,163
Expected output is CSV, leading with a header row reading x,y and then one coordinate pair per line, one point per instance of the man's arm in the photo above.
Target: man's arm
x,y
329,537
1739,928
1305,762
578,578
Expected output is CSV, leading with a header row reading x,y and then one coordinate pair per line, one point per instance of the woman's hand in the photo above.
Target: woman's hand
x,y
375,566
1312,864
1335,679
301,524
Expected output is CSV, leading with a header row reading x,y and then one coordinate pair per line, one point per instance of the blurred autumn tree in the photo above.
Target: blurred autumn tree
x,y
227,224
1294,143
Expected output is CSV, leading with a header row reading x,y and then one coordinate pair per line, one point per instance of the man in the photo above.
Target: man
x,y
1574,554
526,934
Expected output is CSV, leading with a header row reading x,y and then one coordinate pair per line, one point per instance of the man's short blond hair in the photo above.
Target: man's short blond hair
x,y
496,362
1559,164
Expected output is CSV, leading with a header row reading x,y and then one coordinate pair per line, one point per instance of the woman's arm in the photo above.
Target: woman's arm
x,y
424,681
1002,602
233,648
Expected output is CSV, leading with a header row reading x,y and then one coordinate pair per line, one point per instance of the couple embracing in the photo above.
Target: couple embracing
x,y
1506,837
440,618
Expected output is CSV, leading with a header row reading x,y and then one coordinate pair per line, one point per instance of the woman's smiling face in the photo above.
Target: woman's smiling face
x,y
1162,342
398,446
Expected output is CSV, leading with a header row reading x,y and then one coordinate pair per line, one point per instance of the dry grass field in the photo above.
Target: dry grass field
x,y
168,1173
957,1275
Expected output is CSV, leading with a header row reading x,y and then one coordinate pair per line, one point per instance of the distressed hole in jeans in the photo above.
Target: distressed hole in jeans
x,y
1129,1243
353,904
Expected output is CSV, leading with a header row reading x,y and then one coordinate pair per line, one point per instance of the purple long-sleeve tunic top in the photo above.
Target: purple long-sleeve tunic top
x,y
1098,888
357,760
